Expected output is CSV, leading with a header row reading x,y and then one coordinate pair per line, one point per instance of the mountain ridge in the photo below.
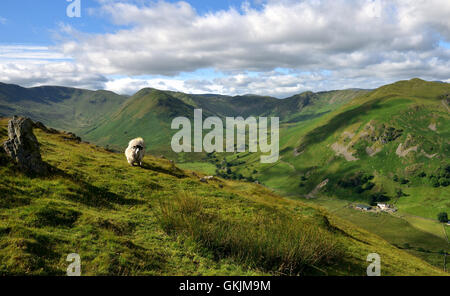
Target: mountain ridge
x,y
95,114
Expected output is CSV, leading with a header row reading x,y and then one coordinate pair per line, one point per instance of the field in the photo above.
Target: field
x,y
203,167
422,237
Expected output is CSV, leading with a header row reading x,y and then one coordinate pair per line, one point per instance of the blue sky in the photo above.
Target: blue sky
x,y
35,21
268,47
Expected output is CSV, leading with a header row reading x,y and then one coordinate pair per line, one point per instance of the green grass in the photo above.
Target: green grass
x,y
125,220
203,167
419,236
447,231
269,240
427,225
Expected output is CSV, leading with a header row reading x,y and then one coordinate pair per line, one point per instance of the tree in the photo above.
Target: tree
x,y
443,217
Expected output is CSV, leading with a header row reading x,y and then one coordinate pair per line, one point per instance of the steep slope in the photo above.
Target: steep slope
x,y
146,114
160,220
397,130
398,134
390,145
66,108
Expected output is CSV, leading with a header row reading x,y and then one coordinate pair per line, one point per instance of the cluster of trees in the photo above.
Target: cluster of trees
x,y
361,182
377,197
390,134
402,181
303,179
442,177
443,217
224,170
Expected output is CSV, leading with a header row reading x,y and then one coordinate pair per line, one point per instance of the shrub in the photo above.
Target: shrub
x,y
435,182
368,186
399,193
443,217
444,182
377,197
359,181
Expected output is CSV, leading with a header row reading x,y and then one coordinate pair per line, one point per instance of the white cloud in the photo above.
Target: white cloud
x,y
130,86
3,20
29,65
24,52
61,73
169,38
322,45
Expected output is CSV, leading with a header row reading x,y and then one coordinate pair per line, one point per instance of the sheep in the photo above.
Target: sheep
x,y
135,151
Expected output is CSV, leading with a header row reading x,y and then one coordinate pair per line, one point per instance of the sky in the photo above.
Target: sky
x,y
266,47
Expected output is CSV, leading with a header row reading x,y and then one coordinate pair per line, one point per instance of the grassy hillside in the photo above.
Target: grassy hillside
x,y
160,220
150,112
65,108
395,137
390,145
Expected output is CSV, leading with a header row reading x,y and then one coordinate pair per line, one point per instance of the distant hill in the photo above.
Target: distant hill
x,y
66,108
106,118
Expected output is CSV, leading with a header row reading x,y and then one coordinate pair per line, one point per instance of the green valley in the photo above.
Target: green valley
x,y
161,220
337,149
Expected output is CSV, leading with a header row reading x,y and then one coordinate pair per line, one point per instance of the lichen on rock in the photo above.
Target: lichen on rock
x,y
23,147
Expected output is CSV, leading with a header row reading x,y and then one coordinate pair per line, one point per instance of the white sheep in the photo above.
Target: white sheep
x,y
135,151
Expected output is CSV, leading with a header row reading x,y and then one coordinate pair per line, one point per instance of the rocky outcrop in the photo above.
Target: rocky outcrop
x,y
343,150
316,190
432,126
402,152
23,147
372,151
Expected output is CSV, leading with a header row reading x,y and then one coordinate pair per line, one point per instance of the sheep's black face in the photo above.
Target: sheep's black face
x,y
138,148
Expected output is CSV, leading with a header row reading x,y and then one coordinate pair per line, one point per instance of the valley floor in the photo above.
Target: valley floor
x,y
422,237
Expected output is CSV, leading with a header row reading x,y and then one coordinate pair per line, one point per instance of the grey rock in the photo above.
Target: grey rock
x,y
23,147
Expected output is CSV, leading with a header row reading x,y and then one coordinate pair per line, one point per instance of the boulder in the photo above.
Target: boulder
x,y
23,147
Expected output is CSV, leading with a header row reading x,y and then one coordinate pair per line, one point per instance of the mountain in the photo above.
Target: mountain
x,y
161,220
111,120
254,105
146,114
389,145
150,112
62,107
